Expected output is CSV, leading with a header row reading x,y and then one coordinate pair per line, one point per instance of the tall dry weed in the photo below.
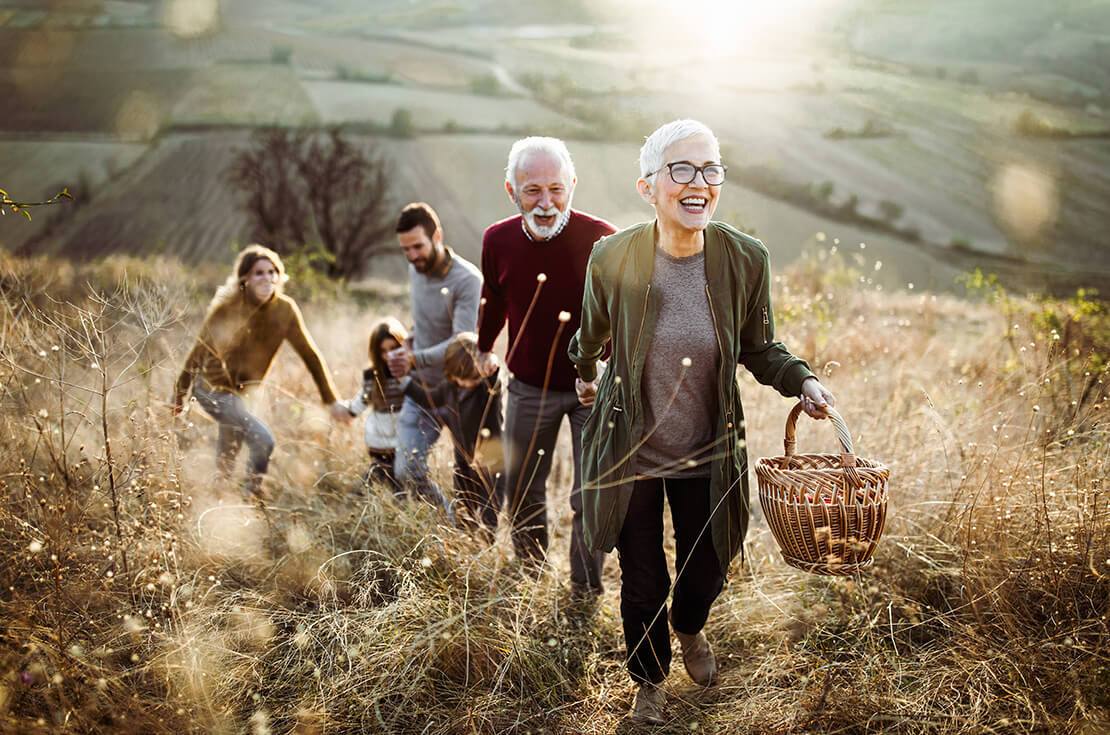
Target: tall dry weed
x,y
142,594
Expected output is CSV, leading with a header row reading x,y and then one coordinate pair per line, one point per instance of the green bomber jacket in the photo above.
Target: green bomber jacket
x,y
618,307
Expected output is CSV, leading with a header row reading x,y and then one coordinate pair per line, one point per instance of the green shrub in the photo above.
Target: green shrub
x,y
281,54
486,85
401,124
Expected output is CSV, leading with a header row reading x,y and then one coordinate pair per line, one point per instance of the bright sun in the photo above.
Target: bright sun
x,y
724,26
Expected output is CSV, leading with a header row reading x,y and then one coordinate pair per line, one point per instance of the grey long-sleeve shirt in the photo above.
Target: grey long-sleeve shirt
x,y
443,304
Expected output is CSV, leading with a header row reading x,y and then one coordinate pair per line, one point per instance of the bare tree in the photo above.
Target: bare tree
x,y
307,187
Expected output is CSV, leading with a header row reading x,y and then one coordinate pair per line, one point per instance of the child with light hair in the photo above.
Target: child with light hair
x,y
471,407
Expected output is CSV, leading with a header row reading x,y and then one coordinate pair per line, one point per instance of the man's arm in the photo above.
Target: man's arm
x,y
492,309
464,318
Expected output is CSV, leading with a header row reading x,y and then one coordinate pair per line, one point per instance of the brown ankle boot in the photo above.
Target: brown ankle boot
x,y
648,707
698,657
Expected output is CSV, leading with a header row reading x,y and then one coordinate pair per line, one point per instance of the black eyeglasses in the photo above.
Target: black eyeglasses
x,y
684,172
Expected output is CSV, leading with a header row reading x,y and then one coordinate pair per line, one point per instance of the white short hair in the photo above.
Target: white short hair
x,y
656,144
538,144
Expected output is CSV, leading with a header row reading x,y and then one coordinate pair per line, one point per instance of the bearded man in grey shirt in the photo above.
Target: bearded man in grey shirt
x,y
446,289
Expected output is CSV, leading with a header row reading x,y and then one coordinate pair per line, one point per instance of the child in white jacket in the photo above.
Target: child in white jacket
x,y
383,394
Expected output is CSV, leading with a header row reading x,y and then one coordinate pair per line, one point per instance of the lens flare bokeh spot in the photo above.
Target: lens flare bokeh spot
x,y
192,18
1026,200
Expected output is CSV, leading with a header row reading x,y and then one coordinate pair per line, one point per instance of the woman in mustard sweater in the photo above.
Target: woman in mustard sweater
x,y
247,321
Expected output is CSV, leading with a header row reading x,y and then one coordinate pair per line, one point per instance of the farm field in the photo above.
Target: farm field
x,y
463,175
375,56
946,150
131,104
75,163
346,102
174,202
939,163
244,95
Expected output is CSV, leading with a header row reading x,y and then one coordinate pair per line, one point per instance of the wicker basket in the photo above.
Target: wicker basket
x,y
826,511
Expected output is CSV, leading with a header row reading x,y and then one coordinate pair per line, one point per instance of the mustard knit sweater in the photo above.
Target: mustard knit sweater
x,y
238,342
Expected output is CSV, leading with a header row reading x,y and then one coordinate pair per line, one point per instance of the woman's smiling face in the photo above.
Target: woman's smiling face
x,y
686,206
261,281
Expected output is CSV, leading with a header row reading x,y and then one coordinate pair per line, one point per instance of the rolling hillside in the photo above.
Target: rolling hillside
x,y
879,124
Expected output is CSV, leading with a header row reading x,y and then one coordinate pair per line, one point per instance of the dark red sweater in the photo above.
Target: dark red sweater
x,y
511,265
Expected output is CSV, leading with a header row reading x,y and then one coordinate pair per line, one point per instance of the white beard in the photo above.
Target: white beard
x,y
546,233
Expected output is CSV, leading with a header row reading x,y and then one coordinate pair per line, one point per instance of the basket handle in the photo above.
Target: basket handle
x,y
847,455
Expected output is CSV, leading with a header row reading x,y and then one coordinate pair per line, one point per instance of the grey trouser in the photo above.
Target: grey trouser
x,y
237,424
532,421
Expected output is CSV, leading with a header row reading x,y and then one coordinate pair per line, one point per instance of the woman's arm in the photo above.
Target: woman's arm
x,y
194,362
185,379
769,361
302,342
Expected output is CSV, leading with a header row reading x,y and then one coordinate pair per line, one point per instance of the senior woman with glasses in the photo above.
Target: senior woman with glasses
x,y
682,299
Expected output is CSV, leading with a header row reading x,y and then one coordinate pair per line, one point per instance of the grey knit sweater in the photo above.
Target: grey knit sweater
x,y
444,303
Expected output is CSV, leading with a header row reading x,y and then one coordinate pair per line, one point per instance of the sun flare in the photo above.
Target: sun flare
x,y
721,28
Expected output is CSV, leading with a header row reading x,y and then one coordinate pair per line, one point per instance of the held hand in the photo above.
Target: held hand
x,y
400,361
816,399
587,392
488,363
340,412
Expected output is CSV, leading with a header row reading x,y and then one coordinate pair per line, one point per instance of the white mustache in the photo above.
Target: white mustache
x,y
551,211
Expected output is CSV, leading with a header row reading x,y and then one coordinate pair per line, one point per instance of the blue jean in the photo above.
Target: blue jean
x,y
236,425
417,430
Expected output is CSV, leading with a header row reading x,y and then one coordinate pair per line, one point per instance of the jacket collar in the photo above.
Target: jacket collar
x,y
643,254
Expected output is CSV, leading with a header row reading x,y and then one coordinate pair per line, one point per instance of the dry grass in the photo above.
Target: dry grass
x,y
141,595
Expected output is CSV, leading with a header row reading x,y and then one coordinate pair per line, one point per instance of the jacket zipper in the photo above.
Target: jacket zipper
x,y
643,317
720,348
640,331
766,324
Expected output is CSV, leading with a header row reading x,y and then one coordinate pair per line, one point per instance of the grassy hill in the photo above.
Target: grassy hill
x,y
142,594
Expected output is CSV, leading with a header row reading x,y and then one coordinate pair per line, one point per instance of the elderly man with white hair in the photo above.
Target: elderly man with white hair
x,y
534,270
681,300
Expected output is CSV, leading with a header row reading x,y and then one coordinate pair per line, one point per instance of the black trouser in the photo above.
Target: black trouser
x,y
480,489
645,582
381,469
